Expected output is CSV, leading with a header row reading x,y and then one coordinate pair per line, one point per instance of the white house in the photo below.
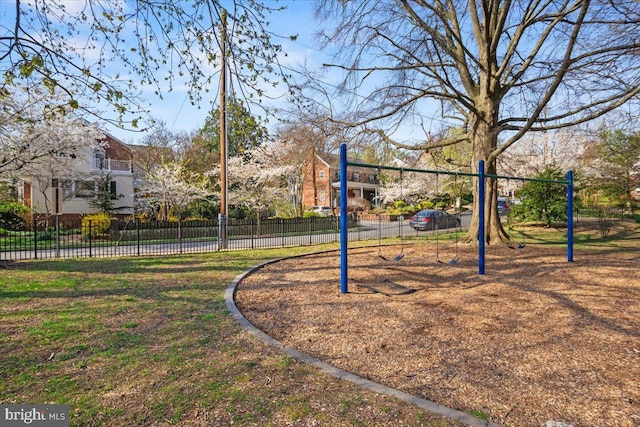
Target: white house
x,y
65,183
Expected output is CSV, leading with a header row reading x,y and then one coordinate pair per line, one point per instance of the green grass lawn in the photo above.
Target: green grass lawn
x,y
148,341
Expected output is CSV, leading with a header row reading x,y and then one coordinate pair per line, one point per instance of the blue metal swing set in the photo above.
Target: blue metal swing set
x,y
344,232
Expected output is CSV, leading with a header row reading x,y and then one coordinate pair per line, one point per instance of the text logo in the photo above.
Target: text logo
x,y
34,415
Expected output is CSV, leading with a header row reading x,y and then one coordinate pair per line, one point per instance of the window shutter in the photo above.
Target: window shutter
x,y
112,190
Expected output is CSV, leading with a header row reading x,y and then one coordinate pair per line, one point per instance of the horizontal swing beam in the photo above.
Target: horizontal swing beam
x,y
517,178
395,168
440,172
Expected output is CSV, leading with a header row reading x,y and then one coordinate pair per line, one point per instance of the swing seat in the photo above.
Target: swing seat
x,y
396,258
388,288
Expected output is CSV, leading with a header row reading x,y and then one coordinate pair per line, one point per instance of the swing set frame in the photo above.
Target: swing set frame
x,y
344,231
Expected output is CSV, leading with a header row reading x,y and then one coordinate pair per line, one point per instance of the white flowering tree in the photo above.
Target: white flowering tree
x,y
30,131
412,185
537,153
258,179
171,189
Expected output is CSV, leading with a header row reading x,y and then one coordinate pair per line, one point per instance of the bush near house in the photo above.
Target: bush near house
x,y
311,214
12,216
96,225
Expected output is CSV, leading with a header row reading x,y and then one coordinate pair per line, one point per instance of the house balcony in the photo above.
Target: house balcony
x,y
357,185
110,165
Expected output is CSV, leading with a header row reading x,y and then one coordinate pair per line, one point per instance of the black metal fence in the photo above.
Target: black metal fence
x,y
595,214
72,239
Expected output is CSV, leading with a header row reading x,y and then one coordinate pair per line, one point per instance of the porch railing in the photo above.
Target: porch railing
x,y
110,165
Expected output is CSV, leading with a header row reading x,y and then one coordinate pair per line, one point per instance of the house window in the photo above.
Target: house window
x,y
113,191
372,179
321,196
321,175
356,176
84,189
67,188
99,160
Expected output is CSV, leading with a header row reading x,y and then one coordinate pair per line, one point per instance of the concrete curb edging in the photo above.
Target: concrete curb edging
x,y
229,296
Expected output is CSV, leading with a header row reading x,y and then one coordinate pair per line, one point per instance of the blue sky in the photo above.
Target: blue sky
x,y
178,113
175,108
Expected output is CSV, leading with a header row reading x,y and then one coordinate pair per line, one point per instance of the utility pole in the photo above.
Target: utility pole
x,y
222,216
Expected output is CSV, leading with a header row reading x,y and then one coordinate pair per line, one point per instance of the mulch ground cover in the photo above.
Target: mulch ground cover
x,y
535,339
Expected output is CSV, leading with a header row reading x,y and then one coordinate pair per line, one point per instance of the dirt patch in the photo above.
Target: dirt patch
x,y
534,339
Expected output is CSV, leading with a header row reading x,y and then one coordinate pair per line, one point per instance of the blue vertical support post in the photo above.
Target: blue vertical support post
x,y
570,216
481,203
344,232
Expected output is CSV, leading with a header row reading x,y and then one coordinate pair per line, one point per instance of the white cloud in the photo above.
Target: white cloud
x,y
73,7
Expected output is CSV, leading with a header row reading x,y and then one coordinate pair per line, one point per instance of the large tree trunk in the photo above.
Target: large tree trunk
x,y
485,141
494,232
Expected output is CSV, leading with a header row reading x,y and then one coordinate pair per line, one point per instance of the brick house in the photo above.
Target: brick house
x,y
321,181
64,184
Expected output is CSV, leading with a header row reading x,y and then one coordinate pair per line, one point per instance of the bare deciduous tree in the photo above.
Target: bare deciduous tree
x,y
501,68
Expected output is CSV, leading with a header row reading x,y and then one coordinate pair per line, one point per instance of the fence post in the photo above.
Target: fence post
x,y
35,238
222,231
252,233
114,231
282,230
138,235
180,235
57,236
90,239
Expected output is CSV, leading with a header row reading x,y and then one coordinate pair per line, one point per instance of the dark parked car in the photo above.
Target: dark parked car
x,y
432,219
503,208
